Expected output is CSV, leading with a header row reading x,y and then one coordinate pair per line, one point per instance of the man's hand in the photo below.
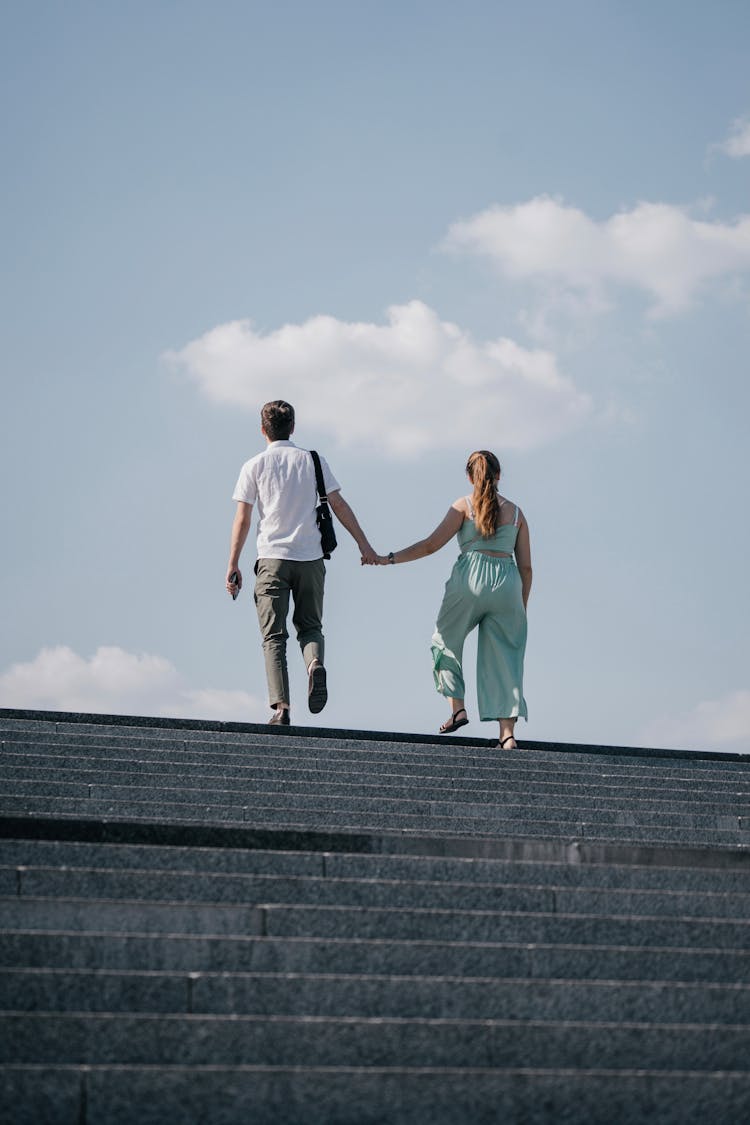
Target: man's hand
x,y
369,556
232,587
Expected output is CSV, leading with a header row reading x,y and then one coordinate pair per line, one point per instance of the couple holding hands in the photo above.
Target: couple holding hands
x,y
488,587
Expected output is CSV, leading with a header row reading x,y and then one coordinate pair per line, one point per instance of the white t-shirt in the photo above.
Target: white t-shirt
x,y
281,481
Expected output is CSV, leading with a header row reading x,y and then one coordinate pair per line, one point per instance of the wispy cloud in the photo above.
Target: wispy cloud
x,y
117,682
657,248
716,724
412,384
737,143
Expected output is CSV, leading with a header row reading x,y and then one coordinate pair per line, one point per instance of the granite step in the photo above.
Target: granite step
x,y
452,759
223,1095
657,874
371,996
441,932
651,798
446,757
270,820
413,815
128,1039
455,763
495,802
383,923
165,885
136,727
251,800
192,952
35,774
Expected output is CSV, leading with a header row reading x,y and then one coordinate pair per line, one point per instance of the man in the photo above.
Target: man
x,y
281,480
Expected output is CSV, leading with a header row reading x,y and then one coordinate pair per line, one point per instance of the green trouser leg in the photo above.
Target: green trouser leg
x,y
454,623
501,645
277,580
483,591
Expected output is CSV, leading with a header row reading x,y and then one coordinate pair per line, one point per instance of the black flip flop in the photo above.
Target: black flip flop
x,y
454,723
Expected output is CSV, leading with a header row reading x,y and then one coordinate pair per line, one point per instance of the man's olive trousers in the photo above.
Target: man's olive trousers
x,y
275,581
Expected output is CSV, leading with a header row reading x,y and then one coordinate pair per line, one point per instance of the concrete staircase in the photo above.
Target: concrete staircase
x,y
204,922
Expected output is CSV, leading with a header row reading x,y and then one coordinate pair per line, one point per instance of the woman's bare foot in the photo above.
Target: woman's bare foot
x,y
507,734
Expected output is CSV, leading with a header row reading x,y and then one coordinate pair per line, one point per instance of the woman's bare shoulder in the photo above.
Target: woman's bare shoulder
x,y
508,510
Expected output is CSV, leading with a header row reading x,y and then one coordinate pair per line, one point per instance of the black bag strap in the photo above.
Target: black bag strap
x,y
319,482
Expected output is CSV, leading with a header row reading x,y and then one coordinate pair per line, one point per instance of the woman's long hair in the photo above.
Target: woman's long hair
x,y
483,469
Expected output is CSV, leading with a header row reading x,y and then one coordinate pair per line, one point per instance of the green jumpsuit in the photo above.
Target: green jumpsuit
x,y
486,592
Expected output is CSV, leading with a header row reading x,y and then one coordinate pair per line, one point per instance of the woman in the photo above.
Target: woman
x,y
488,588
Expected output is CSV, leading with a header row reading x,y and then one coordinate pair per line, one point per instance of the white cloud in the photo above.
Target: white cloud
x,y
117,682
737,143
412,384
564,317
718,724
655,247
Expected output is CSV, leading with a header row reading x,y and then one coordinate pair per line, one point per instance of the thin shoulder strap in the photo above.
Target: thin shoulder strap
x,y
319,482
515,518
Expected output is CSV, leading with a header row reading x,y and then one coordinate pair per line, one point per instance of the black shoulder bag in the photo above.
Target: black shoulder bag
x,y
323,512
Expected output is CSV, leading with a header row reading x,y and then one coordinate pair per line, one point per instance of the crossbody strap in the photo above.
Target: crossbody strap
x,y
319,482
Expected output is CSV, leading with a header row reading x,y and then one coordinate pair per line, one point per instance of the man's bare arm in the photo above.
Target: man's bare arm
x,y
240,528
346,516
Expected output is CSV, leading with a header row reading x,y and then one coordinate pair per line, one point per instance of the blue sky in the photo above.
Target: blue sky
x,y
433,227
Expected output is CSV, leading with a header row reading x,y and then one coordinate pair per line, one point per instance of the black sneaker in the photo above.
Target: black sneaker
x,y
317,692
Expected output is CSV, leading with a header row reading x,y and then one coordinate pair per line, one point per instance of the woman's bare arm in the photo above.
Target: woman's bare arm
x,y
523,559
444,531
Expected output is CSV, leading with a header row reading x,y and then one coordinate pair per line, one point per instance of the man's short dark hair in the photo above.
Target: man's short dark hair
x,y
277,419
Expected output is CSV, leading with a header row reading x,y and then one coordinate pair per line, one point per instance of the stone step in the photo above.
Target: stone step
x,y
367,759
135,727
181,901
718,816
658,875
145,884
338,995
93,1038
265,822
451,759
77,779
267,808
374,842
577,809
225,1095
439,752
162,951
264,819
292,920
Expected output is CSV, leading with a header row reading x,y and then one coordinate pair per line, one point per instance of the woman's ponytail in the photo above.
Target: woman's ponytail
x,y
483,469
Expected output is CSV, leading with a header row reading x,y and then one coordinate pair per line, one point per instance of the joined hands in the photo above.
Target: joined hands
x,y
372,558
